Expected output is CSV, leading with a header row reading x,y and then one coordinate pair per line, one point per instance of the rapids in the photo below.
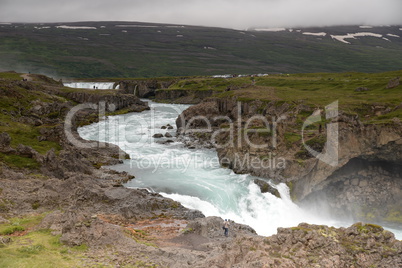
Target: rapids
x,y
194,177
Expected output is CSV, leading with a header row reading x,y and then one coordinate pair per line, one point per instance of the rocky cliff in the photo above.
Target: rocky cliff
x,y
265,139
145,88
159,90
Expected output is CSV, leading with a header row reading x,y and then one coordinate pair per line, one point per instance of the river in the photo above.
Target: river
x,y
193,177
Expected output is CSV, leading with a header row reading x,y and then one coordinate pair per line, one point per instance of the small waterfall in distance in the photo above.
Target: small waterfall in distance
x,y
91,85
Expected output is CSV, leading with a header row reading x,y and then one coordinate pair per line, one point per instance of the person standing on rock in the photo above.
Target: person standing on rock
x,y
226,227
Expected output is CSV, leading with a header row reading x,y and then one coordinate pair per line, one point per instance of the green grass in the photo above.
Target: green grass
x,y
36,248
10,75
11,230
215,84
314,90
17,161
321,89
26,222
39,249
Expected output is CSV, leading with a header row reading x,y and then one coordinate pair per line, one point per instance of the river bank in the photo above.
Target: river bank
x,y
85,206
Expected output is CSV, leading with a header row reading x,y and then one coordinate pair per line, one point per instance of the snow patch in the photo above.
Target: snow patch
x,y
393,35
240,75
270,29
222,76
342,38
367,34
76,27
39,28
315,34
135,26
210,48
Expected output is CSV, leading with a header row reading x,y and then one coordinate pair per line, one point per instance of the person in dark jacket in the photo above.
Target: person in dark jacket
x,y
226,225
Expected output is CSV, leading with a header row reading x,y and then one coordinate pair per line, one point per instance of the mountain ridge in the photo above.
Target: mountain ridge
x,y
137,49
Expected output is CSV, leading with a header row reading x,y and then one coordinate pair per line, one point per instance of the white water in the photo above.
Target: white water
x,y
90,85
194,177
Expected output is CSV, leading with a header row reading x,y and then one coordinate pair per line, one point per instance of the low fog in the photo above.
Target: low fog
x,y
238,14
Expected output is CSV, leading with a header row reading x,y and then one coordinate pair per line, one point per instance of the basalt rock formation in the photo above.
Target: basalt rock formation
x,y
144,88
264,139
159,89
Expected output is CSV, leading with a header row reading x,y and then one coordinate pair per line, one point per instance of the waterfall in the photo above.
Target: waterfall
x,y
194,177
91,85
135,90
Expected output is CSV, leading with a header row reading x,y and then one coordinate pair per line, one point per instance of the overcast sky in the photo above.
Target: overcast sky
x,y
239,14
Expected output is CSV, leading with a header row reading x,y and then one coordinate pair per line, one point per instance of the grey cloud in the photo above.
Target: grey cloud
x,y
238,14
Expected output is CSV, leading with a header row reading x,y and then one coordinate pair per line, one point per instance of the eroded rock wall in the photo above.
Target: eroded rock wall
x,y
367,189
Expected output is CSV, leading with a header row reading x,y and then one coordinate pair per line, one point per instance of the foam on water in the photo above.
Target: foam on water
x,y
194,177
90,85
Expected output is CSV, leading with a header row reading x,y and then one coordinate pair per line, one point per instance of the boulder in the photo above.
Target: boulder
x,y
211,227
267,188
2,220
157,136
393,83
5,141
4,240
360,89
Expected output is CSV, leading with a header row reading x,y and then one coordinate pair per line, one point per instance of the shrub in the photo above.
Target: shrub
x,y
12,229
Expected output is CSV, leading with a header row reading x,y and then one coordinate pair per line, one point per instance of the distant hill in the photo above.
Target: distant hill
x,y
133,49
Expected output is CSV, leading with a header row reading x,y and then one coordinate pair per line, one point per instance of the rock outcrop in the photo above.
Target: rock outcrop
x,y
159,89
112,102
393,83
145,88
265,139
314,246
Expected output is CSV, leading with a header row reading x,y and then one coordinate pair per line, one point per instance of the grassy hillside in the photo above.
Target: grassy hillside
x,y
128,49
30,109
315,90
